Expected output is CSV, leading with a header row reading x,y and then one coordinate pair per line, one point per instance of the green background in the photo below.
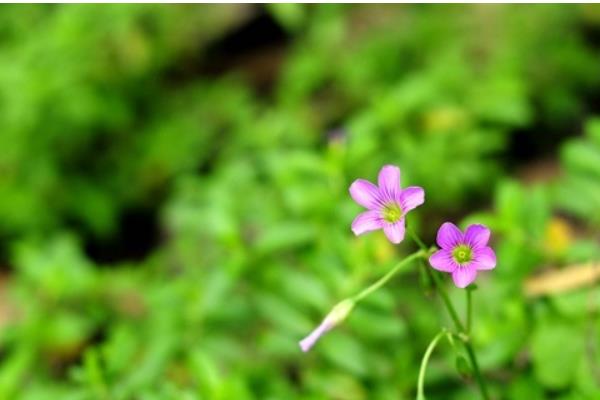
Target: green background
x,y
174,207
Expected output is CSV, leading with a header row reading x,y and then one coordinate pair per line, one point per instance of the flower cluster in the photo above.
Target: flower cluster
x,y
461,254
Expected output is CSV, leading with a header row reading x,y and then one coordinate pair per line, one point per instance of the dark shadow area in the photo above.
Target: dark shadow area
x,y
138,235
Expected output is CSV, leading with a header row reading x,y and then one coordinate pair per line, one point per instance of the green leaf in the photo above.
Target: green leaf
x,y
592,130
345,352
291,16
284,236
556,350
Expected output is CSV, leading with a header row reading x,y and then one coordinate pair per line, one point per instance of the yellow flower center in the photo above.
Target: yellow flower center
x,y
462,254
392,213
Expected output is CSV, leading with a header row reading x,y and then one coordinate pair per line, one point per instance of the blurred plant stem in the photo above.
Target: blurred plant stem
x,y
384,279
463,332
416,238
425,360
469,310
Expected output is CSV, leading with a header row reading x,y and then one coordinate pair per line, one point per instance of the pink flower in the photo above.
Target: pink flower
x,y
387,204
463,255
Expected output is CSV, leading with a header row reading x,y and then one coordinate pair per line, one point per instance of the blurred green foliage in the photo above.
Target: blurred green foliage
x,y
109,111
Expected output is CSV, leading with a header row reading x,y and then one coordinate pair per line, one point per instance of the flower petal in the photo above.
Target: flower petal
x,y
463,276
477,236
367,221
311,339
442,261
365,193
389,181
395,231
411,197
449,236
484,259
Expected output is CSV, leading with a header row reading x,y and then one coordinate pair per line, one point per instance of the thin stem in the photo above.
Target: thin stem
x,y
477,372
463,333
447,303
382,281
424,361
469,308
416,239
438,283
464,337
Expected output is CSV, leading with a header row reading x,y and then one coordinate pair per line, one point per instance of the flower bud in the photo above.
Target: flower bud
x,y
335,317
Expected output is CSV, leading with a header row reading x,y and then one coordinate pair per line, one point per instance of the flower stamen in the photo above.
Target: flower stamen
x,y
391,212
462,254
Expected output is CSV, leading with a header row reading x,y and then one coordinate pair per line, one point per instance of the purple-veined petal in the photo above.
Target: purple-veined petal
x,y
395,231
442,261
365,193
311,339
477,236
411,197
484,259
449,236
463,276
367,221
389,181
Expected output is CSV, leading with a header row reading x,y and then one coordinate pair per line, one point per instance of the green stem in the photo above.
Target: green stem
x,y
423,247
464,337
424,361
477,372
463,334
451,310
416,239
382,281
469,307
